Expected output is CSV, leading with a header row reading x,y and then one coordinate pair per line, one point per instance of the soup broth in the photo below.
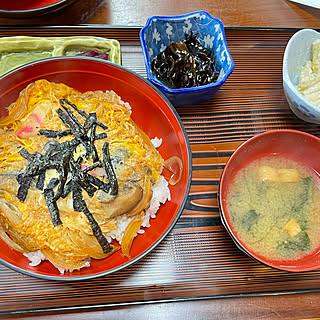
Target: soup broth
x,y
274,207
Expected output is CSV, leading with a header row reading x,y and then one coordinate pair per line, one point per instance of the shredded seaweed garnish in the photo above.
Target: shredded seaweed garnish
x,y
72,178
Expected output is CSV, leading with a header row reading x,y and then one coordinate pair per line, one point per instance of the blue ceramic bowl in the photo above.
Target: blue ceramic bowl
x,y
160,31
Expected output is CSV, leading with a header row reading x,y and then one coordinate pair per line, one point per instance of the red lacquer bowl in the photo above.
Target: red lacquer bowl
x,y
154,115
30,8
295,145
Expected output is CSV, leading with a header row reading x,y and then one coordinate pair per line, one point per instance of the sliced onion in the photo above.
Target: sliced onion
x,y
19,108
130,233
175,166
9,241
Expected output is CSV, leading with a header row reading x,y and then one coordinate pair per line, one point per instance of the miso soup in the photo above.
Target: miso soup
x,y
274,208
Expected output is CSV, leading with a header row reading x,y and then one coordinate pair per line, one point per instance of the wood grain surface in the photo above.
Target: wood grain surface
x,y
197,260
266,13
284,307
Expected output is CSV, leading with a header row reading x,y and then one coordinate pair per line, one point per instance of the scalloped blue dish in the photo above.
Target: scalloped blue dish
x,y
160,31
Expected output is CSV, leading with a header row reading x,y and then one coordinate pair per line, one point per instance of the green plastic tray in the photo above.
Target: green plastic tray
x,y
18,50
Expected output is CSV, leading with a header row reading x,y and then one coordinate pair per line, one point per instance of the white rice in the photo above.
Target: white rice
x,y
62,271
35,257
161,194
156,142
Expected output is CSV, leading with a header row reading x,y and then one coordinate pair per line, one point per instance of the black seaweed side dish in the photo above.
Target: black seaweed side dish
x,y
185,64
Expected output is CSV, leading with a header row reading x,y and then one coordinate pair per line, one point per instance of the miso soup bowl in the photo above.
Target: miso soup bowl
x,y
295,145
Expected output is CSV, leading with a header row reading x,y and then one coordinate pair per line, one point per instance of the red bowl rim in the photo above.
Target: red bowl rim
x,y
26,13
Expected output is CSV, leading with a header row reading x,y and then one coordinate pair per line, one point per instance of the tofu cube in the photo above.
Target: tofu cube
x,y
288,175
292,227
267,173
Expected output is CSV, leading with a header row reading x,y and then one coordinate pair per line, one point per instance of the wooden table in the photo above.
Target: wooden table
x,y
268,13
284,303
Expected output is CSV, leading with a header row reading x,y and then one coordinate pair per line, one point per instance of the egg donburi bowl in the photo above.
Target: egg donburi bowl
x,y
79,177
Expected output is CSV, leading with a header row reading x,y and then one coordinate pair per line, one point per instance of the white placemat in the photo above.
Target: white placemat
x,y
310,3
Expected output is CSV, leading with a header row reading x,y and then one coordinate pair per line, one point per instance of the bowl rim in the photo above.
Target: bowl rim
x,y
147,62
286,78
25,13
227,225
187,185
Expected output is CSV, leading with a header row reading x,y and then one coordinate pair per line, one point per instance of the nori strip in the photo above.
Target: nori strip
x,y
109,169
65,118
63,174
26,154
106,247
67,189
99,136
86,185
81,112
76,198
55,133
41,179
90,121
23,188
93,150
52,183
80,178
94,166
98,183
34,166
52,206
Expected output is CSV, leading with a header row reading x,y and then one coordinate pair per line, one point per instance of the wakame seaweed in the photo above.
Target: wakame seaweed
x,y
306,189
72,178
249,219
299,242
301,202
